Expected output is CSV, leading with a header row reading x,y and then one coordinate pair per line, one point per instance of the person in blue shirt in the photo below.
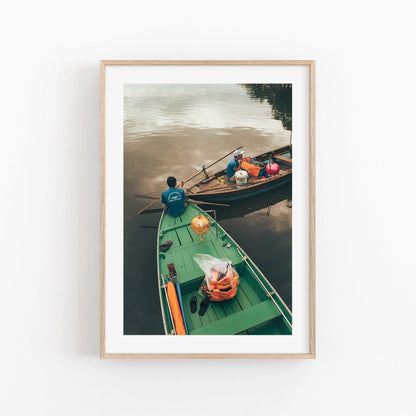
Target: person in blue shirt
x,y
234,165
174,199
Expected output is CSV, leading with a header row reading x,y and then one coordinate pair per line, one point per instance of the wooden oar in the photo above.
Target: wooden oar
x,y
147,206
156,198
190,200
146,196
213,188
208,203
142,210
213,163
152,211
159,210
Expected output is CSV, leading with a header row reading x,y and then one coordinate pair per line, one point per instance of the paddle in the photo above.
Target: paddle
x,y
213,163
208,203
190,200
146,196
157,198
147,206
143,209
214,188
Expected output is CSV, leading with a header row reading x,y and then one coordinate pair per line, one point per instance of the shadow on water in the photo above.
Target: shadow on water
x,y
142,315
244,207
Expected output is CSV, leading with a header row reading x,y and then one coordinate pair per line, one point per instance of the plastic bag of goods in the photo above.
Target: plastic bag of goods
x,y
221,279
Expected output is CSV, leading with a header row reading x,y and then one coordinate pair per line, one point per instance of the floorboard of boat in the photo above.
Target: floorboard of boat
x,y
240,320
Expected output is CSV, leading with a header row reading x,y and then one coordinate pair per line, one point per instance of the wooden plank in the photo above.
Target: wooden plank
x,y
184,235
231,307
192,235
242,299
241,321
214,312
266,328
205,319
170,235
168,221
182,257
248,290
210,311
190,266
283,158
224,252
171,226
219,310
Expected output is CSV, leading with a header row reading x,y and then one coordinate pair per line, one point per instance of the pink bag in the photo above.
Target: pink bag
x,y
272,168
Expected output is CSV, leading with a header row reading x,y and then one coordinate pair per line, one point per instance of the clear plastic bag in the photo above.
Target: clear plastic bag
x,y
221,279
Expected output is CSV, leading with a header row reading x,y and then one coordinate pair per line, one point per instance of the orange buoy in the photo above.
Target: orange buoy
x,y
200,225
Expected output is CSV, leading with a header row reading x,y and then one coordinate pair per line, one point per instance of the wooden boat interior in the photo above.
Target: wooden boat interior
x,y
218,183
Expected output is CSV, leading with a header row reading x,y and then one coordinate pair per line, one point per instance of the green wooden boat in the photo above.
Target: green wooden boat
x,y
257,308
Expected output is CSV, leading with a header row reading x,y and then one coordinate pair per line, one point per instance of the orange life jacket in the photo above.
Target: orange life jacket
x,y
251,169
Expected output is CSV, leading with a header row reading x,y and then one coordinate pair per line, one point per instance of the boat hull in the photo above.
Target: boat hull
x,y
257,308
244,192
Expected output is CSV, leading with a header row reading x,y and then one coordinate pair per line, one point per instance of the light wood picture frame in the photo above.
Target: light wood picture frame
x,y
115,341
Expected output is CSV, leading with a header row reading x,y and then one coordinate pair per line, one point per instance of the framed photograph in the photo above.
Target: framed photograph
x,y
207,209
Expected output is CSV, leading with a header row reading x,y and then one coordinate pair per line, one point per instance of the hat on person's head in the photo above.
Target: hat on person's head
x,y
238,152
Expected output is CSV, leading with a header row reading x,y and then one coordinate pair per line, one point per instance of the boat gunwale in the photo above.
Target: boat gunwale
x,y
246,188
159,277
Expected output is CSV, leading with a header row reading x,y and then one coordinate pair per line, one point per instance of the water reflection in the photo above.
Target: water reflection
x,y
279,96
156,109
246,206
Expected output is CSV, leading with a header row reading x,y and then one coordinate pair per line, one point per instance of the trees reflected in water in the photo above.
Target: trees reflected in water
x,y
279,96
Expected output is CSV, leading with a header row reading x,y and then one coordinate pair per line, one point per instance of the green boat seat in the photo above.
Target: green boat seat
x,y
241,321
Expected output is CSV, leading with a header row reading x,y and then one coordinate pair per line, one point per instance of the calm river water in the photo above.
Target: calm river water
x,y
171,130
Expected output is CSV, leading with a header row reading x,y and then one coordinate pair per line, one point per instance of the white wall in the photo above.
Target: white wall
x,y
49,211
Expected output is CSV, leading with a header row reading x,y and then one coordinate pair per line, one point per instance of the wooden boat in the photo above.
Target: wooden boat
x,y
217,188
257,308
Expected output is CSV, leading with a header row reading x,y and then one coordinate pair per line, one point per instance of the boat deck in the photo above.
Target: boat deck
x,y
186,244
250,312
218,183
